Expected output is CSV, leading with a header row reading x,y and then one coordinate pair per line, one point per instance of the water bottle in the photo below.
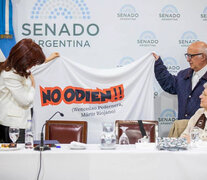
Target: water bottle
x,y
29,135
108,138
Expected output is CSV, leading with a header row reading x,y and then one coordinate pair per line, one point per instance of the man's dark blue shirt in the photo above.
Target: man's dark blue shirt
x,y
188,99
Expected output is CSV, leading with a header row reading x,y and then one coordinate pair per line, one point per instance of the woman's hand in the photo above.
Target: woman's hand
x,y
187,137
32,79
52,56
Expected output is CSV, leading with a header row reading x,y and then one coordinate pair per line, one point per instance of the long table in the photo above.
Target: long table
x,y
123,163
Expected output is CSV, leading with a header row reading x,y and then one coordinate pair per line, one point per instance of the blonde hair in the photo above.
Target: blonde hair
x,y
205,85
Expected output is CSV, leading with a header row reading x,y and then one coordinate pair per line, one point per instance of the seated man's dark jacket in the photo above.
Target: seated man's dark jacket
x,y
188,99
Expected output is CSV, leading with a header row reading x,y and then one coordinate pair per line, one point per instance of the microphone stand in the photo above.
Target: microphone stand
x,y
42,146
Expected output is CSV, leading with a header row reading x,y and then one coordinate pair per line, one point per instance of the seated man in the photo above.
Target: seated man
x,y
199,118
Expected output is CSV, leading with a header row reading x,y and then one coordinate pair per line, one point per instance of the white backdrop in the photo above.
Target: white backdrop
x,y
108,34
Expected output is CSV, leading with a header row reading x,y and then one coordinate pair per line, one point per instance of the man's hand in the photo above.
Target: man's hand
x,y
155,56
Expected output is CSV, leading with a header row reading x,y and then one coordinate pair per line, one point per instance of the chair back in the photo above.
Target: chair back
x,y
178,127
134,133
66,131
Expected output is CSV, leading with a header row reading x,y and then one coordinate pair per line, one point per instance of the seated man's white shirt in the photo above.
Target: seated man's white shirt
x,y
197,75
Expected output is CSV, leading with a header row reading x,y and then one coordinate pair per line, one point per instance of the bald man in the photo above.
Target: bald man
x,y
188,84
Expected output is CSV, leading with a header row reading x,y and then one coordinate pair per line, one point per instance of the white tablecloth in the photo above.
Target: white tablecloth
x,y
142,163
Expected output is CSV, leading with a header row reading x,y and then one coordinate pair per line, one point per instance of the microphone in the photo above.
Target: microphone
x,y
43,147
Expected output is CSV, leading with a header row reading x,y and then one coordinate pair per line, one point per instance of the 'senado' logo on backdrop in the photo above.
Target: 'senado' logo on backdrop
x,y
187,38
147,39
58,24
204,14
77,95
169,12
171,65
127,12
124,61
167,117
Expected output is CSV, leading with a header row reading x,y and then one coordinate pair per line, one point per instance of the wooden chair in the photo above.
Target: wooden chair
x,y
133,132
66,131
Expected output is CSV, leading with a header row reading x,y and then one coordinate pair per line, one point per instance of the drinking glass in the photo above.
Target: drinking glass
x,y
123,140
194,136
13,134
204,135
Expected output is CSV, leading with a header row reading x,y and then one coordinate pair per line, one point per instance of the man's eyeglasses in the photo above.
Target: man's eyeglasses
x,y
190,56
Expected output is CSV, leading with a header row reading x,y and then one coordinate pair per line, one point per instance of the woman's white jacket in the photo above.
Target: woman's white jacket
x,y
16,98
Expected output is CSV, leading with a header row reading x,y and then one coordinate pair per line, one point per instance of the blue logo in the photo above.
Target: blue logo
x,y
171,65
187,38
67,9
147,39
205,10
127,12
167,116
169,12
204,14
124,61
